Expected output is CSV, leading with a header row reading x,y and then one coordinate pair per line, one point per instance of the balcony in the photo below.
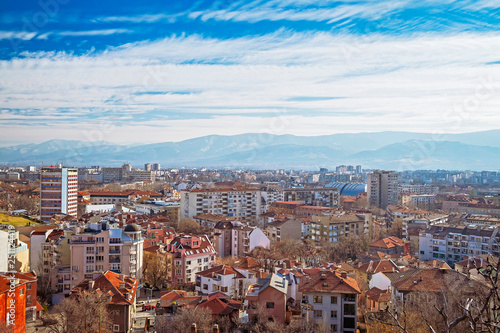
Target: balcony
x,y
114,260
114,251
82,241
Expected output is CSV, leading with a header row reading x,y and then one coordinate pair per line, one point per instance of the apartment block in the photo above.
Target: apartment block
x,y
382,188
418,189
101,247
327,197
332,228
454,243
234,239
58,191
243,203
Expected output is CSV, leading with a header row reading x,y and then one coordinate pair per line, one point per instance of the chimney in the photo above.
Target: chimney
x,y
323,276
91,285
216,328
343,275
194,329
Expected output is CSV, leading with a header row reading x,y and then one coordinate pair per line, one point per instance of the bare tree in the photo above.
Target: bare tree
x,y
183,319
155,269
83,313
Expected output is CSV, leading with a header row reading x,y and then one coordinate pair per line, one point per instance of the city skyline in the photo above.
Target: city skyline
x,y
160,72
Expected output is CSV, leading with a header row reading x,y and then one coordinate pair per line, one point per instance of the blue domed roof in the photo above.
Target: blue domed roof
x,y
350,189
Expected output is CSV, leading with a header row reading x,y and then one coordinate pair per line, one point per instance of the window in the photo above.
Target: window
x,y
205,286
333,314
318,313
101,240
21,292
205,259
333,328
223,289
199,261
29,286
270,305
333,300
318,299
188,262
116,328
349,309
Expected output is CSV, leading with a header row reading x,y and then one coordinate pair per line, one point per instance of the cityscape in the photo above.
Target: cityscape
x,y
217,166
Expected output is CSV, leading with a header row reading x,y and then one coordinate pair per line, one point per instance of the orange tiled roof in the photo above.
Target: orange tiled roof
x,y
330,282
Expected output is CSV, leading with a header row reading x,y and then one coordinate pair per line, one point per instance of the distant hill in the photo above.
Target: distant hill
x,y
388,150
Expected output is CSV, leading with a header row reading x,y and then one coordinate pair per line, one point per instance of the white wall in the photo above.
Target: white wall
x,y
380,280
4,251
258,238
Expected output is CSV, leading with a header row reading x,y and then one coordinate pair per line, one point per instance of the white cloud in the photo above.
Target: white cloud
x,y
424,83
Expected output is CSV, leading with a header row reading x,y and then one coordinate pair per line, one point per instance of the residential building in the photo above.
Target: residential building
x,y
242,203
327,197
419,285
188,255
119,291
331,228
455,243
229,280
285,229
382,188
421,201
267,298
10,244
417,189
232,238
18,303
332,300
101,247
58,191
390,245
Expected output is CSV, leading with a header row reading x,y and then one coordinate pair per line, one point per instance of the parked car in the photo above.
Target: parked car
x,y
147,307
140,303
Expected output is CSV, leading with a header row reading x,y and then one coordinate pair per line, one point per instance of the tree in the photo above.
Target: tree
x,y
189,226
44,278
82,313
396,228
155,269
25,202
183,319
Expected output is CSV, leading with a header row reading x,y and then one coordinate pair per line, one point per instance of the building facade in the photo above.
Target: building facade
x,y
102,247
244,204
382,188
58,191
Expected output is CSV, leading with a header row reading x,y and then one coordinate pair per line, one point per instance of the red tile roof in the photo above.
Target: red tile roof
x,y
388,243
330,282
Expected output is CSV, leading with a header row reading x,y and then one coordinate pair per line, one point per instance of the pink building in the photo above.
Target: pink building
x,y
189,255
157,234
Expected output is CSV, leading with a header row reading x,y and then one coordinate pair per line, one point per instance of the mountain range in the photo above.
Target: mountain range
x,y
382,150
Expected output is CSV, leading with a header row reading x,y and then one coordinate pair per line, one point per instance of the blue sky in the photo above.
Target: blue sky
x,y
154,71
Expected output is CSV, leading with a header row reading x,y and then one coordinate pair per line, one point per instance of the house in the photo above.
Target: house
x,y
171,301
220,306
366,270
332,299
390,245
267,298
121,305
428,284
188,255
226,279
377,299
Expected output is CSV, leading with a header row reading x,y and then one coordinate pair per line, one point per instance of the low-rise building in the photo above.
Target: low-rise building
x,y
332,300
121,304
188,255
267,298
